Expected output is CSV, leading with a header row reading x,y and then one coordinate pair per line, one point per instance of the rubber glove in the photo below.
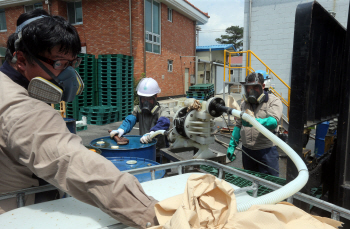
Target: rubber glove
x,y
120,132
236,135
146,138
269,122
246,124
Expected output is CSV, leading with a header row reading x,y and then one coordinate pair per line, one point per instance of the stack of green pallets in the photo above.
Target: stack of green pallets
x,y
87,71
201,91
241,182
100,115
115,82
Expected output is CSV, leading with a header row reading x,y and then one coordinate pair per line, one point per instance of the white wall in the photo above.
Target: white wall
x,y
272,33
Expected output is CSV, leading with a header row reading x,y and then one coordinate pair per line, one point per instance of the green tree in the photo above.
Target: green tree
x,y
234,36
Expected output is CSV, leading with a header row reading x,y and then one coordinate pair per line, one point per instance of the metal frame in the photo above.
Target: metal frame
x,y
3,11
170,13
34,7
154,34
335,211
75,13
170,155
320,93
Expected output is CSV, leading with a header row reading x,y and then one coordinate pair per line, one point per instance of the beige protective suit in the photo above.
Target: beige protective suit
x,y
34,139
250,136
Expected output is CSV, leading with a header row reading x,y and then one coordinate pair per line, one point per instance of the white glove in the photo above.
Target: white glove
x,y
146,138
120,133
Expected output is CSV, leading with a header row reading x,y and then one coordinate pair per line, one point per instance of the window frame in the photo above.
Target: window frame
x,y
170,65
75,13
3,11
42,6
155,38
170,14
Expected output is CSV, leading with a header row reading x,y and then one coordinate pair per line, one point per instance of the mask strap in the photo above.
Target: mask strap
x,y
155,109
20,27
245,98
41,65
19,31
261,98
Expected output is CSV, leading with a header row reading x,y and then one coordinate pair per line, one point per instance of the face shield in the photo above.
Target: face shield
x,y
253,93
147,103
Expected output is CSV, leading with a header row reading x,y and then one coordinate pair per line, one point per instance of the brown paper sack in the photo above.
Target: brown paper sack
x,y
210,203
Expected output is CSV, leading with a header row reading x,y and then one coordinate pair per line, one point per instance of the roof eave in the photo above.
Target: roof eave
x,y
216,49
185,9
11,3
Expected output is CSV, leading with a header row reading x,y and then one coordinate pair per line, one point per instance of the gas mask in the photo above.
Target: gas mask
x,y
63,87
253,93
148,104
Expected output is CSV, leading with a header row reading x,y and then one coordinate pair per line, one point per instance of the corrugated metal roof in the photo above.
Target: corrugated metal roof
x,y
214,47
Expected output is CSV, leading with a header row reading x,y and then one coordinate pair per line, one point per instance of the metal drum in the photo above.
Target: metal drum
x,y
134,149
70,123
127,163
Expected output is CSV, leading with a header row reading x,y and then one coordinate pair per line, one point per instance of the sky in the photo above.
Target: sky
x,y
223,14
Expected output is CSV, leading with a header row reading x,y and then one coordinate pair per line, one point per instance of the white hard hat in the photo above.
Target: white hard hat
x,y
148,87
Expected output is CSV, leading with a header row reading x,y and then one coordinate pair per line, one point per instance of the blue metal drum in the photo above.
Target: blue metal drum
x,y
70,123
127,163
134,149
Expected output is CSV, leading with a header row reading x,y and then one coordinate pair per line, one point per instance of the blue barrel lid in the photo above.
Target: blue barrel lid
x,y
134,143
127,163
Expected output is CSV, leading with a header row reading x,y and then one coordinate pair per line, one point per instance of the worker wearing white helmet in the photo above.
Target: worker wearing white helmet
x,y
150,115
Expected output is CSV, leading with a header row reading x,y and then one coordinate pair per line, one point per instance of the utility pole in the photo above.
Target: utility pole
x,y
197,33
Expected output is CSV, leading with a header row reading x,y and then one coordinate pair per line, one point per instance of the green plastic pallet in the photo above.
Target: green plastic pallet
x,y
202,87
241,182
99,109
107,56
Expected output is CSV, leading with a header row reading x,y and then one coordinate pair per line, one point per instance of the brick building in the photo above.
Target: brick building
x,y
159,34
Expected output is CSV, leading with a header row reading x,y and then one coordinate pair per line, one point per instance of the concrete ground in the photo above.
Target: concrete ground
x,y
94,132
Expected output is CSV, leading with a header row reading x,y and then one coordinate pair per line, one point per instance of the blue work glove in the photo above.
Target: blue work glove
x,y
236,135
269,122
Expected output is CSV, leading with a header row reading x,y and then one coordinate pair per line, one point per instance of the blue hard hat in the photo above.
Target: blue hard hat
x,y
264,73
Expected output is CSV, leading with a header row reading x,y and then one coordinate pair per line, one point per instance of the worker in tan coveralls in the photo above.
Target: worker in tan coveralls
x,y
35,144
259,153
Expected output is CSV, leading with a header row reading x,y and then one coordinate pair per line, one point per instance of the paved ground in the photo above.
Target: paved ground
x,y
94,132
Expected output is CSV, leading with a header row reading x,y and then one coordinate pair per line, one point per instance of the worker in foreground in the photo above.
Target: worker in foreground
x,y
34,140
150,115
259,153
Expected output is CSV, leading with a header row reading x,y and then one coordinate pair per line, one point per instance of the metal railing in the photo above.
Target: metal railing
x,y
248,69
336,211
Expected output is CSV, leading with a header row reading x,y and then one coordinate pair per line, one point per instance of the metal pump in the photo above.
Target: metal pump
x,y
193,127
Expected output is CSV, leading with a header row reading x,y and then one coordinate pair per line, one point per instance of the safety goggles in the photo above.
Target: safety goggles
x,y
60,64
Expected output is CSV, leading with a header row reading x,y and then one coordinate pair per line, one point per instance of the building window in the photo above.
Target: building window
x,y
152,35
32,7
75,12
3,26
170,15
170,65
